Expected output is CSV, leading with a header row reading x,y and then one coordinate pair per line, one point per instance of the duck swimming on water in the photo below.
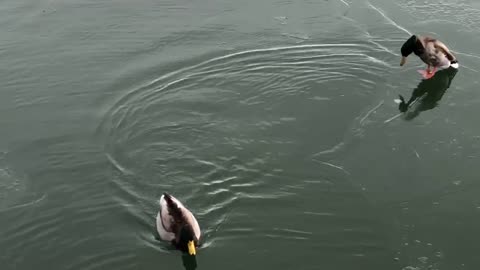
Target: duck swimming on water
x,y
176,224
432,52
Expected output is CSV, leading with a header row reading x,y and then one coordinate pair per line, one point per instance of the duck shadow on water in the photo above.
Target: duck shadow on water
x,y
189,262
427,94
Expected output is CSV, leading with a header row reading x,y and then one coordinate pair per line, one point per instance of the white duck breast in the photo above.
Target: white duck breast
x,y
165,220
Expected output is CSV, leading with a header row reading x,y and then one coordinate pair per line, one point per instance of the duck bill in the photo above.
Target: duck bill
x,y
403,61
191,248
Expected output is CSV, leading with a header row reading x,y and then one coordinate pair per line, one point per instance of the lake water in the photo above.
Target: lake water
x,y
274,121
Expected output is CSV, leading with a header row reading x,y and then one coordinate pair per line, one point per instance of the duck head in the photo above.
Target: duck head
x,y
413,44
186,240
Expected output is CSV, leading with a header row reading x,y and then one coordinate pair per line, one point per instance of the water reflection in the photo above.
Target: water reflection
x,y
427,94
189,262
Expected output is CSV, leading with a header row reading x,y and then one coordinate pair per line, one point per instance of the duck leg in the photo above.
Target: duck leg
x,y
429,71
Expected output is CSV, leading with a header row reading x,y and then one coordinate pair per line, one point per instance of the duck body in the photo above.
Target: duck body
x,y
430,50
177,225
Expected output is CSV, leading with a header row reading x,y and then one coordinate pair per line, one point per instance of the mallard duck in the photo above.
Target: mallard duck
x,y
176,224
432,52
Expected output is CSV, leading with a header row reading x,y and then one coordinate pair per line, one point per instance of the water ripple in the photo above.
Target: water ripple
x,y
182,131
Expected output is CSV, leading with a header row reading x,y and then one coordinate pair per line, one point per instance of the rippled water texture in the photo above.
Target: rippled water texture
x,y
273,121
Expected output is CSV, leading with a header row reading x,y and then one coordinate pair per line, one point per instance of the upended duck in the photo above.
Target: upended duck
x,y
176,224
431,51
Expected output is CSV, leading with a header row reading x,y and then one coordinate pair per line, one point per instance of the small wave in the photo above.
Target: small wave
x,y
392,22
27,204
465,13
114,257
117,165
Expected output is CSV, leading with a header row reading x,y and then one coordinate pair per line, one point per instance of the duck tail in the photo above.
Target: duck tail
x,y
173,208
